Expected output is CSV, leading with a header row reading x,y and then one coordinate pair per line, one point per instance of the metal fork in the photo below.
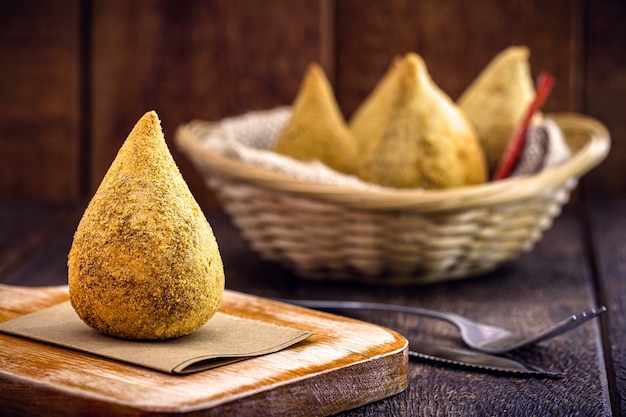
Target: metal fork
x,y
478,336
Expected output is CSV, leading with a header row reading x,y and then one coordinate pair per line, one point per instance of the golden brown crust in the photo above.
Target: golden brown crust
x,y
317,130
144,263
370,118
413,135
497,99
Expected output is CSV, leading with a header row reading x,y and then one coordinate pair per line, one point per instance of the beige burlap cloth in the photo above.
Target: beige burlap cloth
x,y
250,138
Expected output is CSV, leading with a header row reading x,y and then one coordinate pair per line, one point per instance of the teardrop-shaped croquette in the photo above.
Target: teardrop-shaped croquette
x,y
316,130
412,135
496,101
144,263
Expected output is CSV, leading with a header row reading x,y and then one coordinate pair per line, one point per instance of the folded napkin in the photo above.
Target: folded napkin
x,y
224,339
544,148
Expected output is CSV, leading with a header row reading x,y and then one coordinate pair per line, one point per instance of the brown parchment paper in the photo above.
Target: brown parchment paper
x,y
222,340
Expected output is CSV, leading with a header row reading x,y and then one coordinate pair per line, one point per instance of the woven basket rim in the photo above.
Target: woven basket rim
x,y
590,154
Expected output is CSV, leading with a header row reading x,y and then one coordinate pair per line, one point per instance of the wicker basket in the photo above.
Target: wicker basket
x,y
394,236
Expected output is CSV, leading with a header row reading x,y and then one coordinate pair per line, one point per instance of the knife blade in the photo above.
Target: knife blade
x,y
457,356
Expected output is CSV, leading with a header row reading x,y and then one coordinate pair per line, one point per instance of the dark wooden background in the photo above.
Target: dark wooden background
x,y
75,75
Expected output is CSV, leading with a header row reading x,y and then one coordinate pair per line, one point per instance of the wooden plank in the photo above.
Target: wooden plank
x,y
27,229
206,60
345,364
456,39
607,225
542,286
39,100
605,86
18,301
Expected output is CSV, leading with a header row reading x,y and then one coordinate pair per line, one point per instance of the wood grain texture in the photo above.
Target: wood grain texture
x,y
345,364
605,86
607,223
76,75
25,229
204,60
456,39
542,286
39,100
18,301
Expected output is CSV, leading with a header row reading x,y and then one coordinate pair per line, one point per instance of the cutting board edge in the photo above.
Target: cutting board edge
x,y
352,375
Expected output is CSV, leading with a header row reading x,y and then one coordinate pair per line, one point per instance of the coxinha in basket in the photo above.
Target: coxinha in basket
x,y
144,263
408,133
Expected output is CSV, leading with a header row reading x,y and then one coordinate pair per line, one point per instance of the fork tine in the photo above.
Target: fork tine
x,y
508,344
573,321
570,323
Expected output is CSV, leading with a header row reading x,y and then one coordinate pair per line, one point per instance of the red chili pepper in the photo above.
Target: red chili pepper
x,y
515,145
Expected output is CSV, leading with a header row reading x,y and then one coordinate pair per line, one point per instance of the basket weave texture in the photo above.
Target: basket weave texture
x,y
392,236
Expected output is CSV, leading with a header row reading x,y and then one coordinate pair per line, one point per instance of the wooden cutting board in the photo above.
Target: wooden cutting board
x,y
347,363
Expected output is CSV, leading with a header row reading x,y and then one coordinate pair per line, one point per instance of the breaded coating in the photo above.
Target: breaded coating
x,y
316,130
412,135
144,263
497,99
369,119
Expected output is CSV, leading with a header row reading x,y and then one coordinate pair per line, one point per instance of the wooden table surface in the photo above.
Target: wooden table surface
x,y
578,264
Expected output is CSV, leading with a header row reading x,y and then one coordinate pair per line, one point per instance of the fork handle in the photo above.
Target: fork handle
x,y
362,305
